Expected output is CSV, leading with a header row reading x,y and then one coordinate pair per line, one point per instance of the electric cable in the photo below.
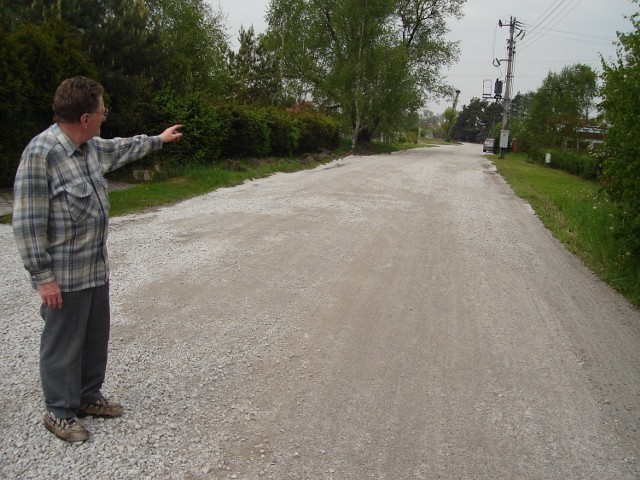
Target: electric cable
x,y
556,19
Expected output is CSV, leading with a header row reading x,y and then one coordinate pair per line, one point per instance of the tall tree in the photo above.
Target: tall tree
x,y
621,106
561,105
34,58
520,105
254,71
115,36
126,53
374,61
476,120
193,46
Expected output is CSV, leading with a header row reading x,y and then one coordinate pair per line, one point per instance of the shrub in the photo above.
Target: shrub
x,y
585,165
318,131
205,128
248,134
237,131
284,133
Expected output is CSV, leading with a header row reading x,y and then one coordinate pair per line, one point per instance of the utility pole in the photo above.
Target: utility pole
x,y
506,104
453,117
455,100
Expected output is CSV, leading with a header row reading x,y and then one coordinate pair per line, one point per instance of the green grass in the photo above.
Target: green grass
x,y
579,215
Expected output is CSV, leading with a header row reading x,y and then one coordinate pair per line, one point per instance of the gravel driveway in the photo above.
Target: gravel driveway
x,y
397,316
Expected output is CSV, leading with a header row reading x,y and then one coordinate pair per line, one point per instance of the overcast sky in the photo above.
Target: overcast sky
x,y
557,33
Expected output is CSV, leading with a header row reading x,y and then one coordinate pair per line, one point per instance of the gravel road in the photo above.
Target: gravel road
x,y
397,316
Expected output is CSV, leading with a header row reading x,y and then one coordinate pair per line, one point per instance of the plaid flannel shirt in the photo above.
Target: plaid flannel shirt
x,y
61,205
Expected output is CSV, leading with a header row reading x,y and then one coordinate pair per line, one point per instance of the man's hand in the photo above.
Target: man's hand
x,y
171,134
50,294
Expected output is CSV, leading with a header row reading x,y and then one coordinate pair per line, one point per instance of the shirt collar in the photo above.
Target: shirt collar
x,y
66,143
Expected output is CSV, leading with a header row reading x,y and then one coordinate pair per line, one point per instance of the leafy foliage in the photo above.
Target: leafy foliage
x,y
248,134
161,62
621,107
476,120
559,107
373,61
284,132
317,132
254,71
205,128
33,61
192,44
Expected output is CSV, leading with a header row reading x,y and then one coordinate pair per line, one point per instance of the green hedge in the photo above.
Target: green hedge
x,y
585,165
317,131
213,132
205,128
248,134
284,132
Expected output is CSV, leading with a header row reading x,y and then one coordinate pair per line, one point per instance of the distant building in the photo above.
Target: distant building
x,y
592,135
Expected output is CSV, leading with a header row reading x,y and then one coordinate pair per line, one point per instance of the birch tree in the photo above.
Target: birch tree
x,y
373,61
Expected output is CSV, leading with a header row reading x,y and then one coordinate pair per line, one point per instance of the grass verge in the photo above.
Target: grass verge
x,y
579,215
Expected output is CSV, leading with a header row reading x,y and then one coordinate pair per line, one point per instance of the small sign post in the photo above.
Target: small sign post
x,y
504,142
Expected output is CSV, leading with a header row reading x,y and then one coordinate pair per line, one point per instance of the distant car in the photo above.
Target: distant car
x,y
488,145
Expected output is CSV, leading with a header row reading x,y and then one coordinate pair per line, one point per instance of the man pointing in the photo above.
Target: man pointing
x,y
60,222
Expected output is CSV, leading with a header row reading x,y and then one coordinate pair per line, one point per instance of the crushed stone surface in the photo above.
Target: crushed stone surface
x,y
398,316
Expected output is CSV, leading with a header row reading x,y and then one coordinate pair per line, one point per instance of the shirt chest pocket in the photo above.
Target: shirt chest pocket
x,y
82,201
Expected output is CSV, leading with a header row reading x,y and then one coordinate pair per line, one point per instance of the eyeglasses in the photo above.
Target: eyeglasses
x,y
104,114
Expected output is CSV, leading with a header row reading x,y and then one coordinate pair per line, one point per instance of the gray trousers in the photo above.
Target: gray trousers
x,y
73,350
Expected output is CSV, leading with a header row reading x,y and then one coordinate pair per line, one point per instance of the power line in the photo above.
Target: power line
x,y
587,35
533,24
571,9
600,43
551,16
544,24
538,21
